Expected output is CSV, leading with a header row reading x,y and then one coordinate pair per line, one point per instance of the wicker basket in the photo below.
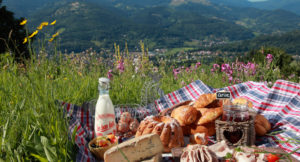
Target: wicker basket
x,y
99,151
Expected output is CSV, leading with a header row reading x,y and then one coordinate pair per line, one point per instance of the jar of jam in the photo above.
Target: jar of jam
x,y
235,112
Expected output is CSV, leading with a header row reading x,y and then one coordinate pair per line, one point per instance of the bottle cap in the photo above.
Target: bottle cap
x,y
103,83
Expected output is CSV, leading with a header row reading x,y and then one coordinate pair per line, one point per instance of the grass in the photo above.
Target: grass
x,y
32,125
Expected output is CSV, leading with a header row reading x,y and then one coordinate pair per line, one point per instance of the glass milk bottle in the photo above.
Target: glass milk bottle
x,y
104,114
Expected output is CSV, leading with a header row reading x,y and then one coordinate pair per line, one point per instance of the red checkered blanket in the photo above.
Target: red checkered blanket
x,y
279,104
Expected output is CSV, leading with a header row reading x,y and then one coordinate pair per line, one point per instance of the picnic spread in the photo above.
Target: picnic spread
x,y
193,123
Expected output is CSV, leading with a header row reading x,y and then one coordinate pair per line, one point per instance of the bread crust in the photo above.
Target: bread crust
x,y
242,101
204,100
260,130
167,128
185,115
211,128
198,129
209,115
260,119
262,125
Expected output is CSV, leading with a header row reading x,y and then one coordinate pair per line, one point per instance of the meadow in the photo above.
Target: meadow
x,y
32,124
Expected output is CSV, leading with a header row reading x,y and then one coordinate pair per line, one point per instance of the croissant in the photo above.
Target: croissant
x,y
209,115
205,100
185,115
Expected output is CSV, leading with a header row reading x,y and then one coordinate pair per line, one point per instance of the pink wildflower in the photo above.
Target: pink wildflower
x,y
175,72
216,66
187,70
269,57
198,64
109,74
120,66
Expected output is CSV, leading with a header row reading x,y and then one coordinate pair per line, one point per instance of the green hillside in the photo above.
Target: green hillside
x,y
167,24
87,25
289,42
259,21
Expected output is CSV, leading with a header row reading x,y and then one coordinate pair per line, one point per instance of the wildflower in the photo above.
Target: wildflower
x,y
197,64
187,70
175,72
230,79
216,66
23,22
109,74
269,57
136,69
55,35
33,34
224,67
120,66
53,22
44,23
25,40
40,27
50,40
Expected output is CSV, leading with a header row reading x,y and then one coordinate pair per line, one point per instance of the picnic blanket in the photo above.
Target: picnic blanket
x,y
279,104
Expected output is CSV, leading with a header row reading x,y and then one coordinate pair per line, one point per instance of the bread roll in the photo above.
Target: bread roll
x,y
242,101
199,138
198,129
262,125
260,130
260,119
211,128
185,115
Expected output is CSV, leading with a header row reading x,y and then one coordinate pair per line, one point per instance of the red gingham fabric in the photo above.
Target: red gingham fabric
x,y
279,104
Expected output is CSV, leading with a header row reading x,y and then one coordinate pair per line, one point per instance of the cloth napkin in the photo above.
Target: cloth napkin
x,y
279,104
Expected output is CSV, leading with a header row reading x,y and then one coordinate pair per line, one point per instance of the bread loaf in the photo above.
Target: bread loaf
x,y
136,149
262,125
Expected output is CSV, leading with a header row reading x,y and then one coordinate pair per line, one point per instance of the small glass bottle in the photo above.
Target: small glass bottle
x,y
104,114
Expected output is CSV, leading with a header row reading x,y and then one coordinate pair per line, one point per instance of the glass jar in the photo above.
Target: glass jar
x,y
235,112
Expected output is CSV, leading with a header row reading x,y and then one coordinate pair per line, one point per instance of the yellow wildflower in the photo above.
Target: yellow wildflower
x,y
55,35
53,23
23,22
33,34
40,27
50,40
25,40
44,23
